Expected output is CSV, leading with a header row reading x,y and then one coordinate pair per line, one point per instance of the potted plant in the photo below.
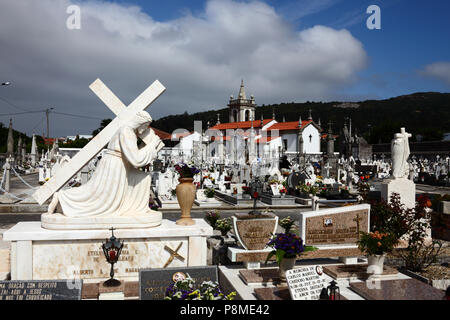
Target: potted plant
x,y
184,289
375,245
209,193
186,192
212,217
287,246
224,226
287,224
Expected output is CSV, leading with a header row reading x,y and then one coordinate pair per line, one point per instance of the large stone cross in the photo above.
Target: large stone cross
x,y
123,115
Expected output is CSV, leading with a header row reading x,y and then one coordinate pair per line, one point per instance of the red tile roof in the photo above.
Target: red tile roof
x,y
266,139
241,125
291,125
162,134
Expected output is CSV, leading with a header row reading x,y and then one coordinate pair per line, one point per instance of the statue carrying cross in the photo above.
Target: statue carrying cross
x,y
118,192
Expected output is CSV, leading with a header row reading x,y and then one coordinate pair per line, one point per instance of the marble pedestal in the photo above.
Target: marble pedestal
x,y
405,187
42,254
57,221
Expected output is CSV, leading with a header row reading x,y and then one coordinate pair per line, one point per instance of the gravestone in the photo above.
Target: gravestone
x,y
154,282
41,290
335,227
306,283
254,231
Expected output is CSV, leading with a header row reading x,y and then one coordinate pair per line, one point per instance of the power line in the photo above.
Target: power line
x,y
18,113
13,105
76,115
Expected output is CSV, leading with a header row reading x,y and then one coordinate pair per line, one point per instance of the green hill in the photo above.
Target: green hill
x,y
424,113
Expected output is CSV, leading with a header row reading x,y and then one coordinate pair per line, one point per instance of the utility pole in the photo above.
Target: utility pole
x,y
47,111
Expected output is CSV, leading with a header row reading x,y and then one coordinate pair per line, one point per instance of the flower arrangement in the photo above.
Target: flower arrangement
x,y
274,181
223,225
287,224
308,188
212,217
210,192
186,171
376,243
246,190
185,290
286,245
282,189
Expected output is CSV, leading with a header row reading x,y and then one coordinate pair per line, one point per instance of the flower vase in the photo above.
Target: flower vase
x,y
375,264
186,191
285,265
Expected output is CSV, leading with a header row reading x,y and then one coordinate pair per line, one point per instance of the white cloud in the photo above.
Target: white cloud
x,y
438,70
199,58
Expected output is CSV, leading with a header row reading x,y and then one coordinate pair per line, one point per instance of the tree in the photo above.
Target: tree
x,y
103,125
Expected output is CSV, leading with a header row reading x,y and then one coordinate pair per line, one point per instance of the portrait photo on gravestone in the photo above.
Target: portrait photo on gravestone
x,y
243,153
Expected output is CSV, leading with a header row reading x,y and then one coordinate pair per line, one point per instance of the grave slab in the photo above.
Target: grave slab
x,y
410,289
358,271
278,200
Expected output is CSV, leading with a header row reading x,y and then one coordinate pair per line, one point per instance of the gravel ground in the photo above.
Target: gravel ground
x,y
436,272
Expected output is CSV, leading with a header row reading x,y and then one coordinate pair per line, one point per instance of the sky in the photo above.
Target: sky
x,y
285,51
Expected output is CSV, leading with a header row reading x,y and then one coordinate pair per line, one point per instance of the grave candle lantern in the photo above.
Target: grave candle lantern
x,y
112,248
333,291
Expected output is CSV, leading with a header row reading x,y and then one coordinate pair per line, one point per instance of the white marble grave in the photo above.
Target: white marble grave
x,y
38,253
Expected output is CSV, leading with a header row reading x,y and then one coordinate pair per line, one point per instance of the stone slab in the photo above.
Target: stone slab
x,y
278,201
57,221
41,290
111,296
410,289
153,283
208,204
280,293
273,293
91,290
241,255
358,271
261,276
33,231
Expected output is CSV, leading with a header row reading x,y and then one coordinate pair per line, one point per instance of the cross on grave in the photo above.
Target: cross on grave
x,y
173,254
123,115
357,220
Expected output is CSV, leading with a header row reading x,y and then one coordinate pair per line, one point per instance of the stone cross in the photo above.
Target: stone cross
x,y
357,220
124,115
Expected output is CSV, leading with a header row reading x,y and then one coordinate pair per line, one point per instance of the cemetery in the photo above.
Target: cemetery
x,y
254,223
247,208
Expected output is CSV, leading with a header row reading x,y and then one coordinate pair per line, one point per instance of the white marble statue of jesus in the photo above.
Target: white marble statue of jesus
x,y
117,188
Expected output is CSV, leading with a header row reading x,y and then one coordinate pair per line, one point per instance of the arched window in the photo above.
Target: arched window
x,y
247,115
235,115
